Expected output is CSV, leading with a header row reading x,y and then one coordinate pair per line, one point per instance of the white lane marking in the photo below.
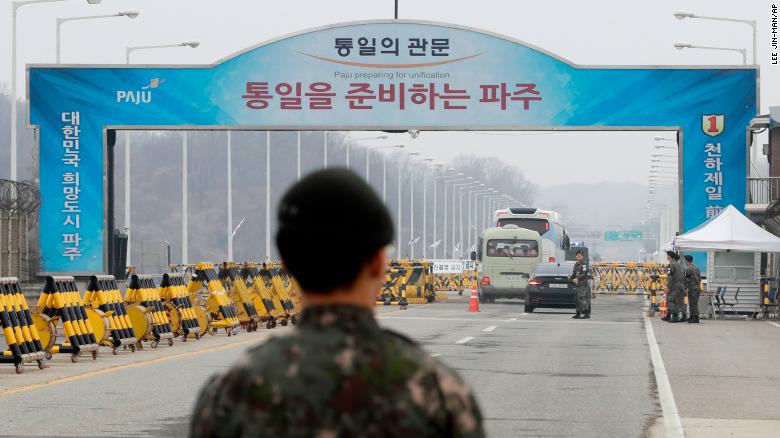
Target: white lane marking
x,y
436,355
774,323
464,340
672,423
490,329
523,321
513,319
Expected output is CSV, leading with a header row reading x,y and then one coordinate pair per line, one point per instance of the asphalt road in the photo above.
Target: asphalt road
x,y
540,374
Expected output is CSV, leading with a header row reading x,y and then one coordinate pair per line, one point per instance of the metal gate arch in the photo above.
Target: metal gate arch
x,y
460,79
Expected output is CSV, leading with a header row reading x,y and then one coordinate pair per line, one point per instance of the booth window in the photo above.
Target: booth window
x,y
734,267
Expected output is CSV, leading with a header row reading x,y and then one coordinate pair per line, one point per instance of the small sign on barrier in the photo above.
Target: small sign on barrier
x,y
452,266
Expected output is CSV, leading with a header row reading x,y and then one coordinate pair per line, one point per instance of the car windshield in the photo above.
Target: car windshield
x,y
512,248
554,269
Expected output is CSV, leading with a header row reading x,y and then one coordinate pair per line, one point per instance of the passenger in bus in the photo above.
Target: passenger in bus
x,y
519,252
507,251
491,252
533,252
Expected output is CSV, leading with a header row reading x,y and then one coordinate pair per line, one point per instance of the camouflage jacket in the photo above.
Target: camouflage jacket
x,y
338,375
675,277
581,272
693,278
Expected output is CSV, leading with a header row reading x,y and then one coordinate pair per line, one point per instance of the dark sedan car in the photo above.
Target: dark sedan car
x,y
549,286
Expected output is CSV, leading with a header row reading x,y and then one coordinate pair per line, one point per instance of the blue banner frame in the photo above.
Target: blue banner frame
x,y
375,75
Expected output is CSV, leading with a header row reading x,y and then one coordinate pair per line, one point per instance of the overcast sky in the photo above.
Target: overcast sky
x,y
596,32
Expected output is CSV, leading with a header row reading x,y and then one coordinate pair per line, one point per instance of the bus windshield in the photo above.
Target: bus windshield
x,y
541,226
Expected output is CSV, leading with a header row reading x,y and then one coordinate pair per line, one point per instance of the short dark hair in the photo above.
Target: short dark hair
x,y
579,252
688,258
337,210
673,255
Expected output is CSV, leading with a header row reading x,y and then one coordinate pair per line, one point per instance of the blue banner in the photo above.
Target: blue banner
x,y
376,75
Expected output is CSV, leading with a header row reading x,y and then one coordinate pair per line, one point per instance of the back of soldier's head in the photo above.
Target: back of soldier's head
x,y
334,210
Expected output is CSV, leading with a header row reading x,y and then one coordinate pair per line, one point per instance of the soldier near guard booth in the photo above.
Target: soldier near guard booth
x,y
579,277
693,286
339,374
675,288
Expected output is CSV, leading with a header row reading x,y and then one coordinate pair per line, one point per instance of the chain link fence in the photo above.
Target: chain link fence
x,y
19,202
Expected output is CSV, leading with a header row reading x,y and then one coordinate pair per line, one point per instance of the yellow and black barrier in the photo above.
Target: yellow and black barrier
x,y
60,301
625,278
21,335
417,285
218,305
262,297
273,277
186,318
102,298
147,312
238,292
391,292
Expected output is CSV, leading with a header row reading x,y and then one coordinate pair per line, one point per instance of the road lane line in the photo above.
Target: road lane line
x,y
513,319
464,340
436,355
672,423
774,323
521,321
490,329
84,375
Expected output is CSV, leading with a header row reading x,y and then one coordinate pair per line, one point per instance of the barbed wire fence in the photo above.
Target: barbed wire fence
x,y
19,202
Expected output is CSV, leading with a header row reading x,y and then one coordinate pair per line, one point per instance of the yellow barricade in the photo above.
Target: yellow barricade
x,y
218,305
60,302
103,300
187,320
21,335
147,311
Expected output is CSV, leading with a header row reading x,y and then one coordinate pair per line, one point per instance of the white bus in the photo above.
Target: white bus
x,y
547,223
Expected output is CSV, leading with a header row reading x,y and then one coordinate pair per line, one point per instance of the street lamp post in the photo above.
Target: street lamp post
x,y
128,182
60,21
469,181
743,52
384,165
751,23
473,213
381,137
131,49
184,177
425,207
14,8
435,207
460,209
411,206
267,196
398,238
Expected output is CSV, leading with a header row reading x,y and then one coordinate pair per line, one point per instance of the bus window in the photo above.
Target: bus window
x,y
541,226
512,248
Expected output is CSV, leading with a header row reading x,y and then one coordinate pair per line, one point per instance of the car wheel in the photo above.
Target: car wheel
x,y
529,309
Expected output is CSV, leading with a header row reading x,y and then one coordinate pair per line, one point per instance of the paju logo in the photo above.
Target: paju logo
x,y
144,95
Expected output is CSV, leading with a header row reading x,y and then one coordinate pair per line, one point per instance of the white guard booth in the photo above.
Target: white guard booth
x,y
734,245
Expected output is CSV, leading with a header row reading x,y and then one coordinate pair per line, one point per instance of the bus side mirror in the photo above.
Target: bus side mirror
x,y
566,242
473,255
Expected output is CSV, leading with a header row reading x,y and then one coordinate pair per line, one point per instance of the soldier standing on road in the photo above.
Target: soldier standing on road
x,y
579,277
693,286
338,374
675,278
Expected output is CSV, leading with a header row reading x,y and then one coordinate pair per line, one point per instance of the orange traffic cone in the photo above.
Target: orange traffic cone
x,y
474,300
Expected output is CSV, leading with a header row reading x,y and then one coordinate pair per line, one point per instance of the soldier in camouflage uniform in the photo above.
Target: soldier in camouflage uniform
x,y
579,277
675,284
339,374
693,286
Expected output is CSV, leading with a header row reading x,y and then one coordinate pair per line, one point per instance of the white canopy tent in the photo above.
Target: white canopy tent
x,y
729,230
